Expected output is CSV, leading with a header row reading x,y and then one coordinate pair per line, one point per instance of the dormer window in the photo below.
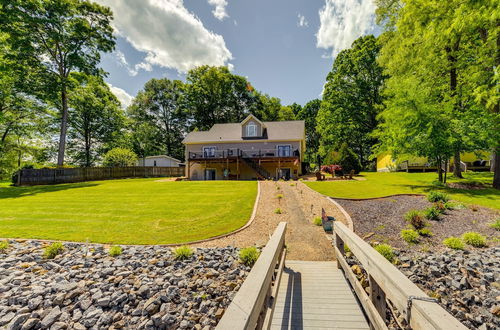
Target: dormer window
x,y
251,129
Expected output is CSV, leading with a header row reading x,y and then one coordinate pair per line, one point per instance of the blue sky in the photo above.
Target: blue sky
x,y
284,47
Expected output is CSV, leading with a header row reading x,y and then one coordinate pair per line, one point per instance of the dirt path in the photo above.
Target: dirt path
x,y
299,206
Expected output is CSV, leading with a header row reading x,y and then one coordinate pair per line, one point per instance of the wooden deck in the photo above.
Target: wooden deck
x,y
316,295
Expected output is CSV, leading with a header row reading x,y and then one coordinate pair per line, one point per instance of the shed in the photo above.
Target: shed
x,y
160,161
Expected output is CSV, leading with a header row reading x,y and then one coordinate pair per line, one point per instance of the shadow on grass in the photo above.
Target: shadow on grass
x,y
16,192
487,193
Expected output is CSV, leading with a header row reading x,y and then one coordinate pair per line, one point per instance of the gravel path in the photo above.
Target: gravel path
x,y
299,205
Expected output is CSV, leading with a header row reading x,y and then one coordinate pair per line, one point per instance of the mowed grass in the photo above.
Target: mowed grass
x,y
130,211
385,184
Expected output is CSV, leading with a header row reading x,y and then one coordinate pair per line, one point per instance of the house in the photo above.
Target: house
x,y
470,161
252,149
160,161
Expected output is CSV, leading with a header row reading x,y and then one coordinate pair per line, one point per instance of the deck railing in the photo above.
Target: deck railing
x,y
253,305
247,153
387,282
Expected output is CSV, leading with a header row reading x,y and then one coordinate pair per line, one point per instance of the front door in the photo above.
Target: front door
x,y
284,173
209,174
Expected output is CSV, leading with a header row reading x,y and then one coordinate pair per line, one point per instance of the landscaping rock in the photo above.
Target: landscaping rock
x,y
86,288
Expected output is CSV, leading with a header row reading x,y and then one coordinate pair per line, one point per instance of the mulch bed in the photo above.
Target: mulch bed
x,y
381,220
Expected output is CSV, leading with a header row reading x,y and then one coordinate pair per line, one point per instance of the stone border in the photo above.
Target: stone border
x,y
249,222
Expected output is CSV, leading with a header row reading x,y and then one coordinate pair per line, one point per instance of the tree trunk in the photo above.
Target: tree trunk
x,y
496,169
445,170
64,126
457,170
440,170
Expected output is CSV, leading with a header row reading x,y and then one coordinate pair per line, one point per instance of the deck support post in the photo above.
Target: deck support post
x,y
238,168
377,296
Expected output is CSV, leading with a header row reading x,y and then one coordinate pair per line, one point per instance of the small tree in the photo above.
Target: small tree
x,y
120,157
347,159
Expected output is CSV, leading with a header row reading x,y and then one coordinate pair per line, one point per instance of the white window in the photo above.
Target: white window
x,y
284,150
251,129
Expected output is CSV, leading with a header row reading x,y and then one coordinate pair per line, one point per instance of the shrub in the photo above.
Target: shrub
x,y
4,245
441,207
432,213
183,252
279,196
415,218
346,249
347,159
115,251
454,243
436,196
278,211
386,251
425,232
496,224
249,255
410,236
317,221
52,250
119,157
292,184
474,239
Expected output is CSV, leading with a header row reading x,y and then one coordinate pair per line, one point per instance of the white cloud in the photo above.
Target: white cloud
x,y
230,67
302,21
342,22
122,61
168,33
220,9
124,97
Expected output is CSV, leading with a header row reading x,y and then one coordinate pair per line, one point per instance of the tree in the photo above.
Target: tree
x,y
160,110
347,159
215,95
95,119
58,37
309,113
451,46
120,157
352,99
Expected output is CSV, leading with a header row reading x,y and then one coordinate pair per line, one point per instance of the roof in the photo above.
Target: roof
x,y
276,130
163,156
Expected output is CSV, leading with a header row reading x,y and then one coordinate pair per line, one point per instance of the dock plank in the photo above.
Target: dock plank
x,y
315,295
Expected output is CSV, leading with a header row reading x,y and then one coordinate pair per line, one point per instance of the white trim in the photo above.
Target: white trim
x,y
250,116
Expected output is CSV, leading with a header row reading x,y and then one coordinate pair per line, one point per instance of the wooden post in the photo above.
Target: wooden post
x,y
237,168
377,296
188,174
339,243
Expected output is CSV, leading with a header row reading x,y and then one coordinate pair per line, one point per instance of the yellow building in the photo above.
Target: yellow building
x,y
470,161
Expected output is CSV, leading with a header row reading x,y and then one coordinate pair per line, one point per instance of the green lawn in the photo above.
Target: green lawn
x,y
131,211
384,184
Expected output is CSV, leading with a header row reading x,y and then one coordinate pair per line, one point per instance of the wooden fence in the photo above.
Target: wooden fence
x,y
253,305
387,282
31,177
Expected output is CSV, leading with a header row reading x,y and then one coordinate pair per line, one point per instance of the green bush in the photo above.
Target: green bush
x,y
120,157
52,250
249,255
496,224
386,251
425,232
415,218
347,159
432,213
278,211
317,221
346,249
474,239
279,196
410,236
437,196
454,243
115,251
183,252
4,245
441,207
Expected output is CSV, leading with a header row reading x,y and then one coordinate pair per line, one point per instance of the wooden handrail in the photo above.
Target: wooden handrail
x,y
386,281
253,304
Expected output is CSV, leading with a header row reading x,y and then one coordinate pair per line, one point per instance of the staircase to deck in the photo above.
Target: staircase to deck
x,y
261,172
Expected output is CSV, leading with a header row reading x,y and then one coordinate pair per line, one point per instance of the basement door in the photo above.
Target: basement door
x,y
210,174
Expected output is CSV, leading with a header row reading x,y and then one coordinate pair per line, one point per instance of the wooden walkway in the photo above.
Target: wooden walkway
x,y
316,295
